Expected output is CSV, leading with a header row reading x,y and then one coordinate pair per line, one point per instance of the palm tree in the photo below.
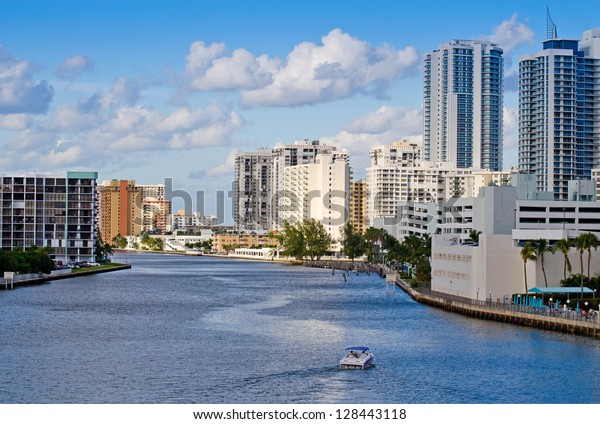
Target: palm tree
x,y
474,236
541,246
528,254
592,241
583,242
564,245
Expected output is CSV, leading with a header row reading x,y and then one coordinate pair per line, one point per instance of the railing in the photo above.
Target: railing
x,y
591,316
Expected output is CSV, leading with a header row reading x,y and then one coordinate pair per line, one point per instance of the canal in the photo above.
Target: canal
x,y
176,329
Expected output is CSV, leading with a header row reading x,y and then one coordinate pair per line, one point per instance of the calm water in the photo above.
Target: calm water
x,y
201,330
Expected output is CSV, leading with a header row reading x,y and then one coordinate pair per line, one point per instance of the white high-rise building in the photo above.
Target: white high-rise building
x,y
258,187
559,105
462,105
318,190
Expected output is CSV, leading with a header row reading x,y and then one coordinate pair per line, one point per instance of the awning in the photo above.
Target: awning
x,y
560,290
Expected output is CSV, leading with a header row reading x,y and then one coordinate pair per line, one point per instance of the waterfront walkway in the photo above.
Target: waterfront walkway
x,y
566,321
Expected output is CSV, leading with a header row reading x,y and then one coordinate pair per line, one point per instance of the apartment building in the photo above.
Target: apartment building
x,y
318,191
357,206
559,92
130,209
56,210
462,104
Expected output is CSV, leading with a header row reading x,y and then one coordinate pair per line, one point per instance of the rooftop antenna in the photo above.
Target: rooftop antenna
x,y
550,26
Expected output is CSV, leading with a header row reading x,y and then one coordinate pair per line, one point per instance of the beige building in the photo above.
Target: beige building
x,y
234,240
130,210
118,211
358,206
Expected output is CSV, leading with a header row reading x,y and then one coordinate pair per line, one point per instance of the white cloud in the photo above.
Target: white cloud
x,y
511,127
511,34
383,126
239,71
95,131
15,122
74,66
340,67
19,93
225,168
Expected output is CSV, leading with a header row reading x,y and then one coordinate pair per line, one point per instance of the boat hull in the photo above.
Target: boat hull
x,y
356,364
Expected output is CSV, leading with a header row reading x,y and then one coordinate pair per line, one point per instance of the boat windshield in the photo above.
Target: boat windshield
x,y
357,348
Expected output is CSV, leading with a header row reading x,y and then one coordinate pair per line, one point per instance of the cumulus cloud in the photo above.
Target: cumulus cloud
x,y
510,34
74,66
340,67
19,93
225,168
99,128
383,126
15,122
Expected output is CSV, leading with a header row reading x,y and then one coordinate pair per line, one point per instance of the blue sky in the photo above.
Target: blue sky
x,y
151,89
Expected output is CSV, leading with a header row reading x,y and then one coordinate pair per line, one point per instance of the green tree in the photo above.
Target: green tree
x,y
119,241
292,241
474,236
541,247
228,248
583,242
564,245
374,237
317,240
352,243
527,254
423,270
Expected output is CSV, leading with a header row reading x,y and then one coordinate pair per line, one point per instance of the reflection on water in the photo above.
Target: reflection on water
x,y
177,329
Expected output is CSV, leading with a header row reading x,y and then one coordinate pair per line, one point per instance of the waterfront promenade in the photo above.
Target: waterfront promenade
x,y
544,318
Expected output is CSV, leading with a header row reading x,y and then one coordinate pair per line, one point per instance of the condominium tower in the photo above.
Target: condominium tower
x,y
129,209
259,180
55,210
462,105
559,106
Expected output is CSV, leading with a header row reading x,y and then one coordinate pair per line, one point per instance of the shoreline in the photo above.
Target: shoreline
x,y
48,278
522,319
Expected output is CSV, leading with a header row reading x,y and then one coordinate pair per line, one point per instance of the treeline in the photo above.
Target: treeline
x,y
309,239
31,261
411,255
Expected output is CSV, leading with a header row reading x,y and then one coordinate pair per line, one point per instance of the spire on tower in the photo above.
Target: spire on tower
x,y
550,26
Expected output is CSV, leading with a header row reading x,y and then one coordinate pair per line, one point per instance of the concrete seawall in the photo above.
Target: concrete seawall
x,y
582,328
45,278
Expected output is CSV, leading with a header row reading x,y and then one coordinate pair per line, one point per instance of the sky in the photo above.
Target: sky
x,y
149,90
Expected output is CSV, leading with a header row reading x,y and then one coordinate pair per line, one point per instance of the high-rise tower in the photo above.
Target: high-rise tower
x,y
559,105
462,102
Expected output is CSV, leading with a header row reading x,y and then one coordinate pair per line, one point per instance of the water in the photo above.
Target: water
x,y
203,330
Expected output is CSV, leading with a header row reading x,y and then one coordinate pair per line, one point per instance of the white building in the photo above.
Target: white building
x,y
494,267
407,199
462,104
258,182
196,220
317,191
559,89
253,189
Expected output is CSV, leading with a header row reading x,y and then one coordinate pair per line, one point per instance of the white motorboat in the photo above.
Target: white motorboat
x,y
357,357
